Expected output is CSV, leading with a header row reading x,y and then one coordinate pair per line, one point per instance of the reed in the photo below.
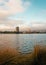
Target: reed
x,y
9,56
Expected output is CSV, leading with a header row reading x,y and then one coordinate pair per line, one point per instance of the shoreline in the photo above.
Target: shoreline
x,y
20,33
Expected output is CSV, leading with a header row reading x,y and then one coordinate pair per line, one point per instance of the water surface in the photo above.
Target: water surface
x,y
24,43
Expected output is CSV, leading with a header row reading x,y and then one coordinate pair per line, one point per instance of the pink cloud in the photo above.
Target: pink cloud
x,y
12,7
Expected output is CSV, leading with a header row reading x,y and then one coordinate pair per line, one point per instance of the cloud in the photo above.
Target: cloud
x,y
38,26
11,7
38,21
27,4
11,22
4,27
8,7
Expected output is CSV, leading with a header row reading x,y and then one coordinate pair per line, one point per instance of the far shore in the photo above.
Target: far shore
x,y
22,32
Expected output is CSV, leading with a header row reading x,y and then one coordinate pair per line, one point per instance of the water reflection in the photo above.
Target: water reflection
x,y
17,41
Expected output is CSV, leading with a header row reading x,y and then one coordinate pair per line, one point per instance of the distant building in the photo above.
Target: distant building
x,y
17,29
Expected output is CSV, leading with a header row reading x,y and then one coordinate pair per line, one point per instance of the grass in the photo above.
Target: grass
x,y
9,56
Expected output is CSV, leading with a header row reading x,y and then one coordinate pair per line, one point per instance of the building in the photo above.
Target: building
x,y
17,29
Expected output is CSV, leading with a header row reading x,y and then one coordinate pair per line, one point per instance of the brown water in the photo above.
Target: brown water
x,y
24,43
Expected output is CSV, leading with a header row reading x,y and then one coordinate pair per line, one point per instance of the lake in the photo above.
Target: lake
x,y
24,43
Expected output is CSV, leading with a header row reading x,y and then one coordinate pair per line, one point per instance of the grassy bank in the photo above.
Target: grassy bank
x,y
9,56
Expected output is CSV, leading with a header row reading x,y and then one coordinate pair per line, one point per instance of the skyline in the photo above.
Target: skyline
x,y
23,13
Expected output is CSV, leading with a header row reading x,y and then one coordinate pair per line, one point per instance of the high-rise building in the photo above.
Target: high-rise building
x,y
17,29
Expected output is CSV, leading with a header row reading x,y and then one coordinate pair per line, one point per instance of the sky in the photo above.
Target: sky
x,y
22,13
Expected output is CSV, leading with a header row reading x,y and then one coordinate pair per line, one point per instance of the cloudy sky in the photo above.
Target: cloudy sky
x,y
22,12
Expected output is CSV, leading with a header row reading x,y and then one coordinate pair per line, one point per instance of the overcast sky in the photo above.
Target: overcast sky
x,y
22,12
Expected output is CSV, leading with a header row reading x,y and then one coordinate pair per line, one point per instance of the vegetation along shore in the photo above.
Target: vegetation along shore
x,y
9,56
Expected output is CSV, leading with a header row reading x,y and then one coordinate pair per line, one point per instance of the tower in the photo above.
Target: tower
x,y
17,29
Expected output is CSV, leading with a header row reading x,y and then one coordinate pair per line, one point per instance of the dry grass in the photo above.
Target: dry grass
x,y
9,56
